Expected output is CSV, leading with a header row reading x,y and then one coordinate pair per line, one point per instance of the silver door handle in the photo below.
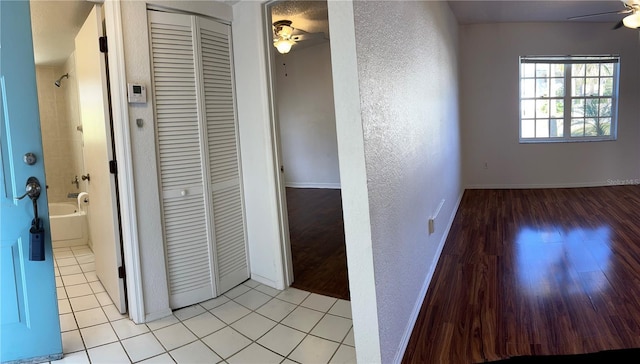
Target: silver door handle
x,y
32,188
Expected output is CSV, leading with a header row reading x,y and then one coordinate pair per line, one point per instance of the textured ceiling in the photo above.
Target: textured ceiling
x,y
309,16
55,23
468,12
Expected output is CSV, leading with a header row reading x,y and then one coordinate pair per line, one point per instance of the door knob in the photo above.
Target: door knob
x,y
32,189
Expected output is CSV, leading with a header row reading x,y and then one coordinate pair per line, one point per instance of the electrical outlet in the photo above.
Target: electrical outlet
x,y
486,165
432,227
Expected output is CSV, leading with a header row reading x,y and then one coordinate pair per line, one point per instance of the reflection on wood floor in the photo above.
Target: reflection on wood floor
x,y
316,230
534,272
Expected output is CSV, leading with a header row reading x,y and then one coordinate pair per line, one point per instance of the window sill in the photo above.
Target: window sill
x,y
562,140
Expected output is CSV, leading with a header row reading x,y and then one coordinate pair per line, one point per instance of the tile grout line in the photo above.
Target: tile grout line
x,y
284,357
181,321
307,333
314,326
119,341
100,306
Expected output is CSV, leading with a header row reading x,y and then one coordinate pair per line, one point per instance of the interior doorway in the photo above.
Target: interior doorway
x,y
72,82
304,131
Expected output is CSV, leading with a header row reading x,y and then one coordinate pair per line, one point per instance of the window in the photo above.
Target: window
x,y
568,99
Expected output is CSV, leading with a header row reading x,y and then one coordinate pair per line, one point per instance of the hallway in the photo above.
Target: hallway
x,y
318,248
252,323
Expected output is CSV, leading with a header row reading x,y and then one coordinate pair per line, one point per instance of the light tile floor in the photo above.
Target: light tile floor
x,y
251,323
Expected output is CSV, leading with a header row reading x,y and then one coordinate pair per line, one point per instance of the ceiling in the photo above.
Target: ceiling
x,y
309,16
469,12
55,23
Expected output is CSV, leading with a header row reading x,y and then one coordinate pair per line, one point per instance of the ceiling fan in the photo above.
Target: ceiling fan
x,y
631,10
286,36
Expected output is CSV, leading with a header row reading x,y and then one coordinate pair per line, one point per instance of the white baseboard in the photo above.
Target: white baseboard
x,y
69,243
334,186
425,286
268,282
156,315
537,185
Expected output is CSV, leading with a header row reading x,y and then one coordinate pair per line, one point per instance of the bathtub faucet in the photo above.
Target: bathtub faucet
x,y
76,182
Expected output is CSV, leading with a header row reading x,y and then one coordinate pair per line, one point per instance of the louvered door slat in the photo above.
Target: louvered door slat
x,y
227,220
180,154
193,93
228,214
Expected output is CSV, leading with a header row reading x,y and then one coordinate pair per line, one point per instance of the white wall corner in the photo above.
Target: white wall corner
x,y
143,161
254,124
353,176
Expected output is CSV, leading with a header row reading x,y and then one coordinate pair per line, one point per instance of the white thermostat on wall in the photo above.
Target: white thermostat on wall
x,y
136,93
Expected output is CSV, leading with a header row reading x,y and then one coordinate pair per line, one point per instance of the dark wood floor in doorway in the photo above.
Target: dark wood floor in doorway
x,y
318,251
534,272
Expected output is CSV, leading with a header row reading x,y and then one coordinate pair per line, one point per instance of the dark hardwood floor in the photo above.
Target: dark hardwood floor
x,y
318,251
534,272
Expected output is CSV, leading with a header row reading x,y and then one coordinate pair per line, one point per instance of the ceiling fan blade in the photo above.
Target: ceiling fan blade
x,y
618,25
301,35
308,36
626,11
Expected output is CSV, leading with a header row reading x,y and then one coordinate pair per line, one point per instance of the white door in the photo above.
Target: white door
x,y
225,189
186,230
98,151
202,206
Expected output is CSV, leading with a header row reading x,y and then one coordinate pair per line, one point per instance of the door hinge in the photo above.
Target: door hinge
x,y
113,167
121,272
103,44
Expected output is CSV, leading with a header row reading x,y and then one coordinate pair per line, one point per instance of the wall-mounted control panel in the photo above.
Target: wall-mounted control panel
x,y
136,93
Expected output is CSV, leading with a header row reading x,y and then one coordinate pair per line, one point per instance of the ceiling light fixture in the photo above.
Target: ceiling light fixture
x,y
283,32
633,20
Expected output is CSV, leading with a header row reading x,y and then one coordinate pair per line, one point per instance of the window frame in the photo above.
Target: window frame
x,y
568,97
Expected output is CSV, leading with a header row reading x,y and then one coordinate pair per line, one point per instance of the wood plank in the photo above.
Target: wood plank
x,y
534,272
318,250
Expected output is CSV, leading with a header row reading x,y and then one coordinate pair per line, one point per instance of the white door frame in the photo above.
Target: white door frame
x,y
122,141
283,216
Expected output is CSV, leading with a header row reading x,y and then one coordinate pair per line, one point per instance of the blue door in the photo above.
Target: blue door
x,y
29,324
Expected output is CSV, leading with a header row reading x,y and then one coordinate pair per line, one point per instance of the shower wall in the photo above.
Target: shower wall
x,y
73,112
59,118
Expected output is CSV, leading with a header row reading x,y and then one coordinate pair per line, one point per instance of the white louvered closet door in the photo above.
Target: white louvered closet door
x,y
223,155
203,216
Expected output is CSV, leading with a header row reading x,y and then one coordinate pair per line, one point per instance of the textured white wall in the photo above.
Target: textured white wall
x,y
258,166
489,85
152,261
353,175
409,99
306,115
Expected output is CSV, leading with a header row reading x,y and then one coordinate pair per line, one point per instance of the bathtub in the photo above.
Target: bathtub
x,y
68,225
